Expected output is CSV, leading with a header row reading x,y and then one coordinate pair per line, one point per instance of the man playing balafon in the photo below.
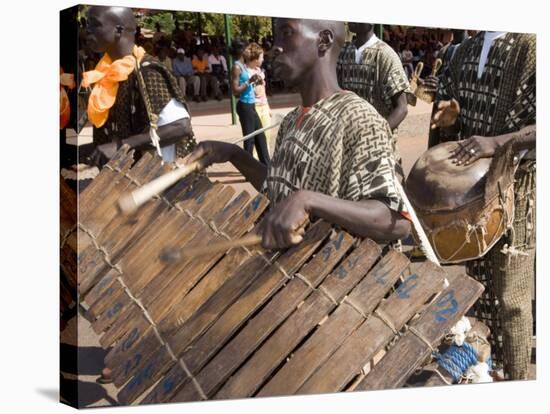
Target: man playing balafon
x,y
333,156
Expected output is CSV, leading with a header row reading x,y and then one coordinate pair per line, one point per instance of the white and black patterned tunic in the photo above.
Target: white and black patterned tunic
x,y
341,147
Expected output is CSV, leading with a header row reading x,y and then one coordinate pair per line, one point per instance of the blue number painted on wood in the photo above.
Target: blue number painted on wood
x,y
448,306
382,274
253,206
200,198
408,284
338,241
114,310
234,202
341,272
141,376
129,341
168,385
132,363
327,250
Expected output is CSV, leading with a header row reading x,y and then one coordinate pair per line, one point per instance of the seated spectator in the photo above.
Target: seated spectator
x,y
201,69
183,69
217,65
407,59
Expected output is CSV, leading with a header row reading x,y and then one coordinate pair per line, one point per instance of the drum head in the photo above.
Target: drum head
x,y
435,183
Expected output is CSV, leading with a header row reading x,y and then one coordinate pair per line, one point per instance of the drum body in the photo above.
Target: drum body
x,y
463,209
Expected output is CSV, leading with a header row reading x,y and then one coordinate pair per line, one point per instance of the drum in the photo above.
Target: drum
x,y
463,209
244,322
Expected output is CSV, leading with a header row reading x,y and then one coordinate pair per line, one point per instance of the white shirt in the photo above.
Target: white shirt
x,y
488,38
368,43
213,60
173,111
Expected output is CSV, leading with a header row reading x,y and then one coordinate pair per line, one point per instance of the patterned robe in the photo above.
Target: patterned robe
x,y
378,78
501,101
340,147
504,98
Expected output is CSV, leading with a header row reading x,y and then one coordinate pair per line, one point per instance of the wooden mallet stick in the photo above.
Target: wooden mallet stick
x,y
131,201
174,254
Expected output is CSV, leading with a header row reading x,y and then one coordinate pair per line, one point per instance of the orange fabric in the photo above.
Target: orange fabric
x,y
407,215
200,65
65,80
105,78
300,118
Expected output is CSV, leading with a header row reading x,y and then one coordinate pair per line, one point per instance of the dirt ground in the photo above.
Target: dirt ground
x,y
211,122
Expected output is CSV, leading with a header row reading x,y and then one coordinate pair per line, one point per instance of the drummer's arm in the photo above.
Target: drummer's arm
x,y
168,134
366,218
524,139
400,110
477,147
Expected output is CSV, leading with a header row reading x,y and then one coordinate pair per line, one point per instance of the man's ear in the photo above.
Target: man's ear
x,y
326,39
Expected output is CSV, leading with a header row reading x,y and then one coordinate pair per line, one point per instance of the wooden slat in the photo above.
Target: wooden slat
x,y
437,320
121,329
258,293
274,313
146,251
106,213
373,334
255,296
96,191
225,215
236,203
317,305
234,225
345,319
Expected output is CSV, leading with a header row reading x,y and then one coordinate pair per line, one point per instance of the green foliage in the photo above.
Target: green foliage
x,y
212,23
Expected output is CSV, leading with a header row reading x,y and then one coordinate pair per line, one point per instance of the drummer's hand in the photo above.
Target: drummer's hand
x,y
474,148
446,114
210,152
430,83
284,224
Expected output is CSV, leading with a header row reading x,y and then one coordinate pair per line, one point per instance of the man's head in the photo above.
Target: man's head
x,y
163,53
302,46
360,28
237,48
110,28
180,53
200,53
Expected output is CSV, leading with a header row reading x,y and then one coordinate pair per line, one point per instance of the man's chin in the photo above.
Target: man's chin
x,y
92,44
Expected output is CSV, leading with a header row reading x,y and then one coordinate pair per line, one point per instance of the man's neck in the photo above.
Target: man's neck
x,y
317,85
363,38
120,50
